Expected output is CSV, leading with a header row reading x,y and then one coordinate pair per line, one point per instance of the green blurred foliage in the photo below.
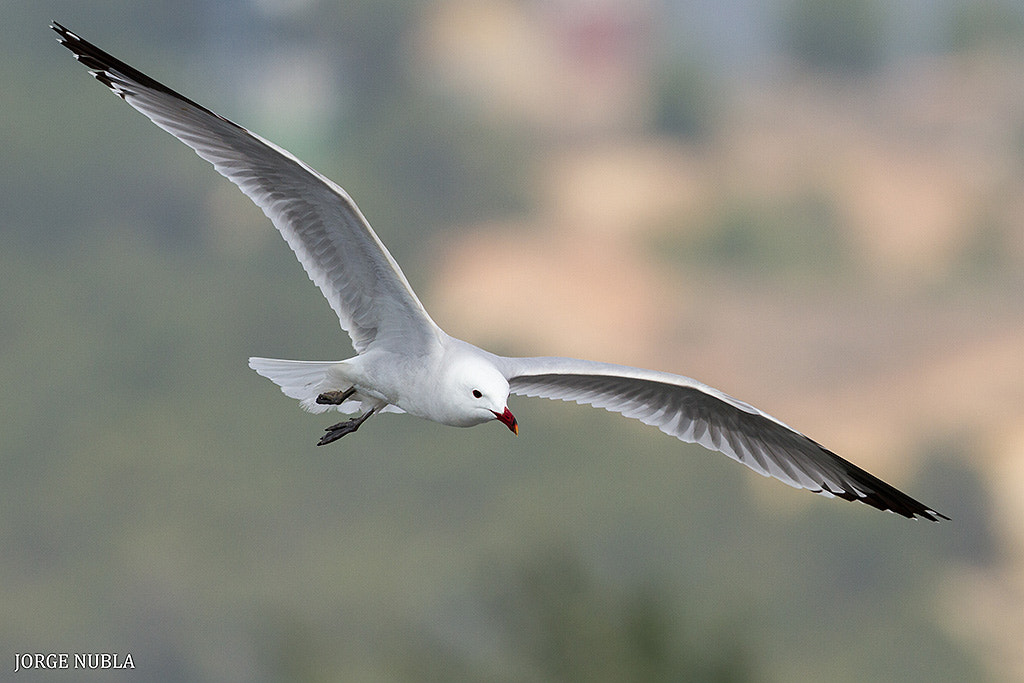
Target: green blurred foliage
x,y
685,100
564,624
986,24
844,36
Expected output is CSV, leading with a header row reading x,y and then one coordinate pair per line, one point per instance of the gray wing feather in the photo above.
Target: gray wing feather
x,y
323,226
696,413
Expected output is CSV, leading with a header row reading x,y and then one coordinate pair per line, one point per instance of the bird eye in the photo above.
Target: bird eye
x,y
476,393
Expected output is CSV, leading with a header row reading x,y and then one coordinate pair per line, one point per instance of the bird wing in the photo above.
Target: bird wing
x,y
696,413
323,226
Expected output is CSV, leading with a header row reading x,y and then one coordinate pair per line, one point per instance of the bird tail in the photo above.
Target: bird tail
x,y
299,379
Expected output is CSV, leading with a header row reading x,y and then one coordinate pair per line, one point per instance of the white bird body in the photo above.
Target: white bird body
x,y
435,384
406,363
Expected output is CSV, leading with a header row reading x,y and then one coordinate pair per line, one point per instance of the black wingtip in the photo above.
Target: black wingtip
x,y
924,513
122,79
64,36
933,516
889,499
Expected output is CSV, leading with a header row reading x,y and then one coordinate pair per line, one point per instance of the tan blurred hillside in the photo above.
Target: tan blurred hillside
x,y
916,338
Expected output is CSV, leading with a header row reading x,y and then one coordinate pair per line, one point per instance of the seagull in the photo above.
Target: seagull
x,y
405,363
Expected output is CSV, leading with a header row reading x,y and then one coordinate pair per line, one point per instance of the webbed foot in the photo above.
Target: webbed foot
x,y
336,431
335,398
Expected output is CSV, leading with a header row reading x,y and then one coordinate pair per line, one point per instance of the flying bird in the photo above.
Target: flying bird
x,y
405,363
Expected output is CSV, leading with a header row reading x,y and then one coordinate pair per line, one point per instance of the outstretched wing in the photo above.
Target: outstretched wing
x,y
696,413
323,226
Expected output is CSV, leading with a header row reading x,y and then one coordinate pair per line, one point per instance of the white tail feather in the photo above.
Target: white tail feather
x,y
306,379
300,379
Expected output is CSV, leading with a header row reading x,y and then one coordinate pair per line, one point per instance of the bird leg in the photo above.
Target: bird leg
x,y
335,398
335,432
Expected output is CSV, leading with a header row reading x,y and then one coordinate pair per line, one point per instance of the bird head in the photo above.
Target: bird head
x,y
481,394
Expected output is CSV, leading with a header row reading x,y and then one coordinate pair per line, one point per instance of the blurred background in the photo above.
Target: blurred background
x,y
814,205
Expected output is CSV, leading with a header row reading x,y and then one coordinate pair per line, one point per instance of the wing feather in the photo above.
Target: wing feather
x,y
696,413
323,226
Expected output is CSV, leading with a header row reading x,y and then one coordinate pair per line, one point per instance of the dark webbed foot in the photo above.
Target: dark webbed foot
x,y
335,398
336,431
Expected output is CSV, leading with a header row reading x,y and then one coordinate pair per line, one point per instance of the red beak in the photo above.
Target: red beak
x,y
509,419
